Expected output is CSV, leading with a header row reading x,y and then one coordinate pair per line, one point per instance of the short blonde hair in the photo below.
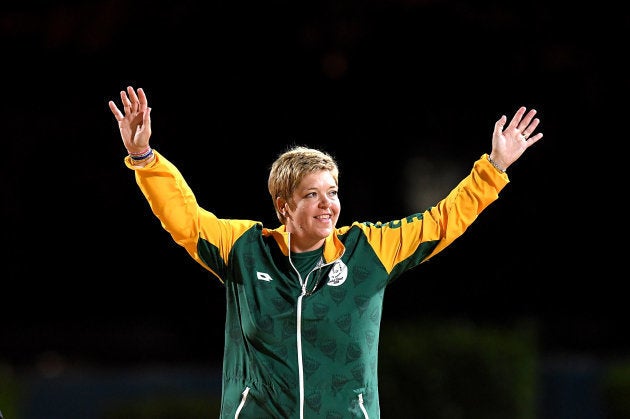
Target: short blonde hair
x,y
288,170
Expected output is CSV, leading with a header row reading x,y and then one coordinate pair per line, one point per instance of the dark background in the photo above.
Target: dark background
x,y
404,93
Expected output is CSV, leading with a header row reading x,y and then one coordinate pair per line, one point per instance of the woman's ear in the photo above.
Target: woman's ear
x,y
281,204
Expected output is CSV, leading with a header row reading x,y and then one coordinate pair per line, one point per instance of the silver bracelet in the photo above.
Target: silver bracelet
x,y
495,165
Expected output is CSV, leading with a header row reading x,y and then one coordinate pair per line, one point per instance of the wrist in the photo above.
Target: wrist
x,y
148,152
496,165
143,158
139,152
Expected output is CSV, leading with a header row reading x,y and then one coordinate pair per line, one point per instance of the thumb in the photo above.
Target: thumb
x,y
498,126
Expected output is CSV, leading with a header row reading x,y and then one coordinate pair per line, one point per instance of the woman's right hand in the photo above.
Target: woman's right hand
x,y
135,124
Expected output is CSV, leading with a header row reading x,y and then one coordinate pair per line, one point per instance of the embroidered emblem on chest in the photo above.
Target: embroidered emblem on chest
x,y
338,274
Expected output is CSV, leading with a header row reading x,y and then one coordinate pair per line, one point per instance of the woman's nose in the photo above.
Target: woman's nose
x,y
324,202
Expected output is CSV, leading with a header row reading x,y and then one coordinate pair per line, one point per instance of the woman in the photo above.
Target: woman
x,y
304,300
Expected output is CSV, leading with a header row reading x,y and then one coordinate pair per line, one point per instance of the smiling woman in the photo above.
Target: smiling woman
x,y
305,299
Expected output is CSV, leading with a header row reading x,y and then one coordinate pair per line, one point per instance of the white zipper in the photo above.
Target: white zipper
x,y
298,338
242,403
298,342
362,407
299,350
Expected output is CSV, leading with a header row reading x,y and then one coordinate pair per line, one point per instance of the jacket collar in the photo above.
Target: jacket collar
x,y
333,247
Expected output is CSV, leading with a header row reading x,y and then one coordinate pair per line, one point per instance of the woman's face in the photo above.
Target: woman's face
x,y
313,211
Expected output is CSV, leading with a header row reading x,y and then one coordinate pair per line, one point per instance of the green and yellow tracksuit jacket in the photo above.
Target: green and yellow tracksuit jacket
x,y
306,345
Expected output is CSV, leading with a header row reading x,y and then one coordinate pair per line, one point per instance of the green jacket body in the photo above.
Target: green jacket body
x,y
302,342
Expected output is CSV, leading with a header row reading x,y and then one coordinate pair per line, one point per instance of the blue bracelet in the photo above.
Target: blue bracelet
x,y
146,155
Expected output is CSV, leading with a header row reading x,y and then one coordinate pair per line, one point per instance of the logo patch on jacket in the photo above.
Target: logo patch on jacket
x,y
338,274
263,276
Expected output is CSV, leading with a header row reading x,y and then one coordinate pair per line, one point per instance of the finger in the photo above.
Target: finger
x,y
117,114
529,129
146,117
535,138
516,119
124,99
142,98
498,126
133,98
526,120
